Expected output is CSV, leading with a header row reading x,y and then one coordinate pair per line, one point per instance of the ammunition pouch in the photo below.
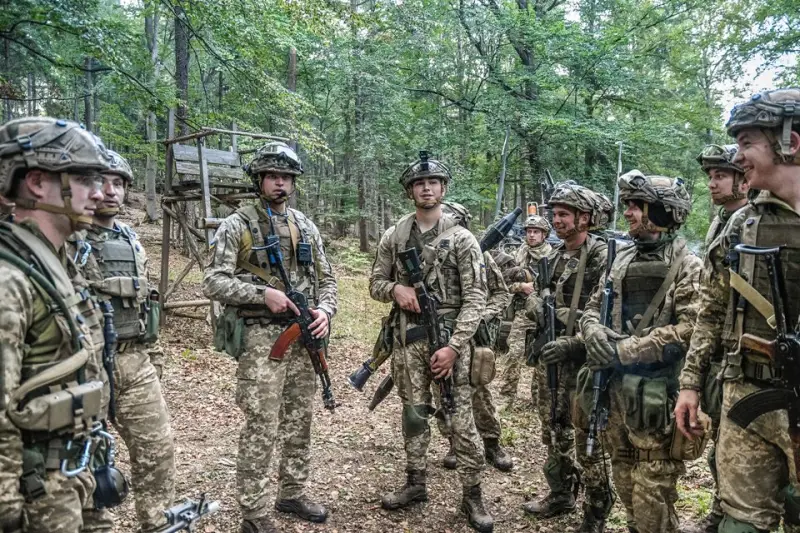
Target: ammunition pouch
x,y
711,397
229,334
152,318
482,367
415,419
648,402
70,410
502,336
531,356
683,449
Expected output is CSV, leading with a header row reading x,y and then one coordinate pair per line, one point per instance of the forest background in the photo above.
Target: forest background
x,y
491,87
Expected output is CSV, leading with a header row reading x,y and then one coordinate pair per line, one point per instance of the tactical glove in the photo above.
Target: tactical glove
x,y
601,349
562,349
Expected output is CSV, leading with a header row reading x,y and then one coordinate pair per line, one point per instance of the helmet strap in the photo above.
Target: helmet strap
x,y
783,146
77,220
649,225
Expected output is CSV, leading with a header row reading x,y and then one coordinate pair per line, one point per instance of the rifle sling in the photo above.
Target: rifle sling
x,y
754,298
658,299
576,294
272,281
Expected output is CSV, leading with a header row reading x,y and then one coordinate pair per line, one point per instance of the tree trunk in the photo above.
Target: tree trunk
x,y
7,113
291,85
151,125
182,68
88,89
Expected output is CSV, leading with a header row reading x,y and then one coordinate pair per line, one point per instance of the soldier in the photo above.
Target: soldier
x,y
456,275
729,191
755,464
52,393
486,420
576,265
655,285
116,266
520,284
276,396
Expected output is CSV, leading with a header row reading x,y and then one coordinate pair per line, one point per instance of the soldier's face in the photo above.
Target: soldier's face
x,y
534,236
757,156
86,193
634,216
427,193
275,187
568,222
113,191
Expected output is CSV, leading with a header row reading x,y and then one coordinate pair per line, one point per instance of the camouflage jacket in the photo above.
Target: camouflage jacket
x,y
226,282
499,297
715,310
675,316
22,348
458,275
715,228
528,257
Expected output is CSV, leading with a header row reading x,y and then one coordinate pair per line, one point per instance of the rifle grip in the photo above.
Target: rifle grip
x,y
758,345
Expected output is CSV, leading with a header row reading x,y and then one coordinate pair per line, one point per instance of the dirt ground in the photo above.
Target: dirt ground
x,y
356,455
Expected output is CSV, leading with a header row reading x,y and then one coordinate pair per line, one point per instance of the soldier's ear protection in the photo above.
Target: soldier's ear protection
x,y
112,487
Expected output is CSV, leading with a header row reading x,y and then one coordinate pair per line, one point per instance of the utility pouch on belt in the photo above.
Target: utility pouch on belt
x,y
647,402
711,399
75,406
229,336
153,318
482,367
683,449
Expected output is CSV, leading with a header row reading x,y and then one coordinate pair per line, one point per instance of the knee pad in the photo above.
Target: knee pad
x,y
731,525
415,420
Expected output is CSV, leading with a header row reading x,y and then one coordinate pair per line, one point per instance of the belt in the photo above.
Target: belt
x,y
266,321
635,455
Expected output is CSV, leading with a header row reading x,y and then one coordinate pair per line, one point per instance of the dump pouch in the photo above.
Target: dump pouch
x,y
683,449
229,335
76,406
153,318
482,367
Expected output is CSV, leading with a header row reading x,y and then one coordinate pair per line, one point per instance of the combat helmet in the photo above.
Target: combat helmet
x,y
719,157
459,213
571,194
425,167
769,110
665,201
538,222
51,145
603,212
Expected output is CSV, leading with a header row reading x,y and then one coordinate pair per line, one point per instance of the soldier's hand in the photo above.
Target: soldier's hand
x,y
442,362
560,350
686,414
406,298
601,348
534,308
278,302
527,288
321,325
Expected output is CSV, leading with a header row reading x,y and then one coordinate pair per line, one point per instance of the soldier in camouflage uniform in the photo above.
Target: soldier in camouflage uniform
x,y
52,333
455,273
728,190
576,265
520,283
755,464
276,396
115,264
486,420
655,284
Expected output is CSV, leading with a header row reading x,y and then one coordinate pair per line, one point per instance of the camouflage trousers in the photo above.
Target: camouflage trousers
x,y
566,443
67,507
276,398
513,361
143,423
647,488
755,465
483,410
413,378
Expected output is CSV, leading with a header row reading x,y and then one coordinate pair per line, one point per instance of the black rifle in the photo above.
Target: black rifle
x,y
185,515
549,335
299,327
109,354
783,353
429,316
598,418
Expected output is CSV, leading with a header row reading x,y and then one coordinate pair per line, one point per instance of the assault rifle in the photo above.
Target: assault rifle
x,y
299,327
109,354
549,335
598,418
494,234
784,356
429,315
185,515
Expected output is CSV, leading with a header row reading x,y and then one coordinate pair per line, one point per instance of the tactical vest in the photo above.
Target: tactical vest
x,y
253,266
639,287
54,398
123,283
765,227
565,277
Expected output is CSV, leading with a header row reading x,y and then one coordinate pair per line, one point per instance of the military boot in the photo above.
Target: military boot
x,y
594,521
554,504
303,508
710,523
497,456
413,491
449,461
261,524
472,505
